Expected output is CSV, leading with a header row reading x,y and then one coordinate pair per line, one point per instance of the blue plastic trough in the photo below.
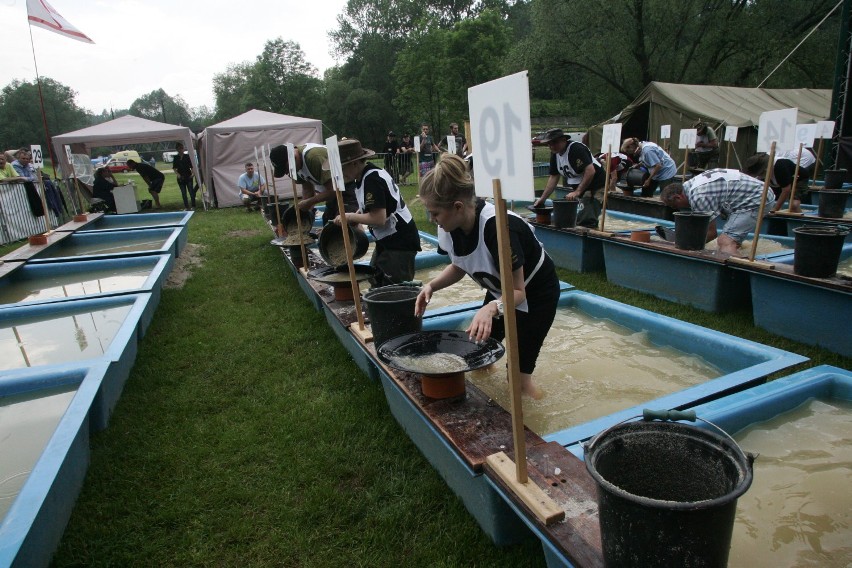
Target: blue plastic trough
x,y
34,284
33,524
741,362
73,332
811,218
580,250
702,279
816,311
142,221
110,244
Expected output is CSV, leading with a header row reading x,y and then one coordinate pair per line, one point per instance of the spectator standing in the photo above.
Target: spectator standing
x,y
153,177
251,185
390,150
461,142
23,165
428,149
182,165
7,172
406,149
706,154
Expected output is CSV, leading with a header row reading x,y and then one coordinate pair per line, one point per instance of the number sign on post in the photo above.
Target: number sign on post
x,y
500,115
334,162
417,144
665,132
825,129
38,157
291,161
777,126
611,139
687,139
806,134
731,133
451,143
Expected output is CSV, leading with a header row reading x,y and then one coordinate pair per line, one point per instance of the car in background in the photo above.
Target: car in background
x,y
118,161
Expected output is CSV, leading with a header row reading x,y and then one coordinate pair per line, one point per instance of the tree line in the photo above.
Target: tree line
x,y
406,62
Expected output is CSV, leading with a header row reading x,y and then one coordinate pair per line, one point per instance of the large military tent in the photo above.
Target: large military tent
x,y
227,146
119,132
681,105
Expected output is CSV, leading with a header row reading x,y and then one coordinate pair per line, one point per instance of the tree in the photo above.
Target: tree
x,y
283,81
158,105
231,91
20,113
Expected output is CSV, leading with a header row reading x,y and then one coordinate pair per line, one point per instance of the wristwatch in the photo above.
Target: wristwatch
x,y
499,305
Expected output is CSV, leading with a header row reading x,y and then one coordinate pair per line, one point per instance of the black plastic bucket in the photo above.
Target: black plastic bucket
x,y
331,245
816,252
667,493
565,213
832,203
691,230
391,311
834,178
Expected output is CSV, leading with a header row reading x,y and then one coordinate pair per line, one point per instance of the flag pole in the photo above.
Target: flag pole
x,y
41,104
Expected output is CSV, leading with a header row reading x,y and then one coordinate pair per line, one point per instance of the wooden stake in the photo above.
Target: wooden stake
x,y
279,228
685,161
795,178
762,202
353,280
47,226
510,324
816,165
606,187
728,157
531,494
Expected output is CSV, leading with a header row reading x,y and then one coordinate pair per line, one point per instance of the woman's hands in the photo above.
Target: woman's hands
x,y
480,327
423,299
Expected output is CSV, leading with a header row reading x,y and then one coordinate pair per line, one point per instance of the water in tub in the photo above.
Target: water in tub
x,y
463,291
591,367
765,245
105,246
27,422
798,511
845,268
73,284
28,342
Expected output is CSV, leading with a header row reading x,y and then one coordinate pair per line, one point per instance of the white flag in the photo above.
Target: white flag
x,y
42,14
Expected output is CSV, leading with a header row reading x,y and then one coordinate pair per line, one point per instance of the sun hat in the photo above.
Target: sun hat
x,y
350,150
554,134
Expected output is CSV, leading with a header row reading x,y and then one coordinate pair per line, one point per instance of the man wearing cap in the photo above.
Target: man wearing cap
x,y
313,177
383,210
582,171
390,150
706,154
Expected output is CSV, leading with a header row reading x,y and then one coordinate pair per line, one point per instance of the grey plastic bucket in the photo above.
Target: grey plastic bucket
x,y
832,203
817,249
667,493
391,311
565,213
834,178
691,230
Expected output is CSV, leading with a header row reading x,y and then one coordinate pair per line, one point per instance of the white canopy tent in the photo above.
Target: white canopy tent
x,y
121,131
226,147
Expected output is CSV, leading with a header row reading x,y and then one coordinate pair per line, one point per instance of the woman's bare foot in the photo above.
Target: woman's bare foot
x,y
529,388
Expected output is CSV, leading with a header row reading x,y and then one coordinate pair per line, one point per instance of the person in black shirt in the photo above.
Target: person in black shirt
x,y
103,185
151,176
381,208
467,231
182,165
390,150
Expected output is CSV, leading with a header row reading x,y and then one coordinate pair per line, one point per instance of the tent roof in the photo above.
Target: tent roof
x,y
735,106
124,130
260,120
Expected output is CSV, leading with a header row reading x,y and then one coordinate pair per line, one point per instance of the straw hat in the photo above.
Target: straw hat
x,y
350,150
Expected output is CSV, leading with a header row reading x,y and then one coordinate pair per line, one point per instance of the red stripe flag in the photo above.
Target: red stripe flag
x,y
42,14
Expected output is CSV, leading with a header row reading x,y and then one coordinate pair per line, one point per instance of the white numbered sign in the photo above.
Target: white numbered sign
x,y
805,134
731,133
451,143
38,157
500,117
291,160
611,139
334,161
687,138
777,126
68,154
665,131
825,129
417,144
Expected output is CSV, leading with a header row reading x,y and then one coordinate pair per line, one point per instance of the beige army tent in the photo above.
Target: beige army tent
x,y
681,105
227,146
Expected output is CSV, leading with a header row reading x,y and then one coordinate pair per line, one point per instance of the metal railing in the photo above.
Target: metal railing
x,y
16,217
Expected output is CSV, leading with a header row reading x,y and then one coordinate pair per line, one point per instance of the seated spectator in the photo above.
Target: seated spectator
x,y
252,186
102,187
151,176
706,153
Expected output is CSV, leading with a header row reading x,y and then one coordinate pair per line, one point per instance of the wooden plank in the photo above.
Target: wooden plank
x,y
28,251
567,482
542,506
745,261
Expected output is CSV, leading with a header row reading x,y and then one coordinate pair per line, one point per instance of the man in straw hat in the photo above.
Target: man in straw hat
x,y
382,208
313,176
582,171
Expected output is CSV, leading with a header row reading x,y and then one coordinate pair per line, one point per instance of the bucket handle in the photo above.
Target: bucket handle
x,y
672,415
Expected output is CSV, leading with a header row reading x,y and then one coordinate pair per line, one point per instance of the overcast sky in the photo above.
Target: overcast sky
x,y
144,45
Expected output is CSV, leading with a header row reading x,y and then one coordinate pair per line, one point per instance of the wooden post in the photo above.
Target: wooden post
x,y
685,162
795,177
510,324
353,280
279,228
606,187
728,157
299,225
762,202
816,164
47,226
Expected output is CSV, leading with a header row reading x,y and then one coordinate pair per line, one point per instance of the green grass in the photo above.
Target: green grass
x,y
246,436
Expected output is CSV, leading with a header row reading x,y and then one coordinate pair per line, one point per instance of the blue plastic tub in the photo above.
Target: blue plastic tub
x,y
740,362
32,527
111,244
816,311
142,221
76,332
47,283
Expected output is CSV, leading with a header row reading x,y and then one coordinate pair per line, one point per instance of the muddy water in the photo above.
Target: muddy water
x,y
26,424
591,367
74,284
432,363
465,290
103,247
764,246
845,267
44,341
798,511
613,224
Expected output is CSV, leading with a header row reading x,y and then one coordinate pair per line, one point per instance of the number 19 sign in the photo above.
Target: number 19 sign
x,y
500,117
